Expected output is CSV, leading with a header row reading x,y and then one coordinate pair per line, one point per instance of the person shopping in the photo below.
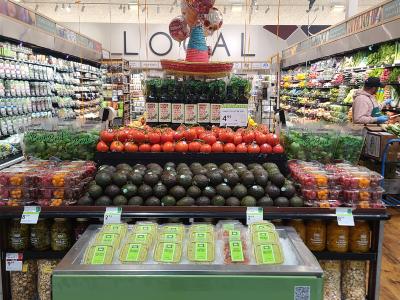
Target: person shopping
x,y
366,109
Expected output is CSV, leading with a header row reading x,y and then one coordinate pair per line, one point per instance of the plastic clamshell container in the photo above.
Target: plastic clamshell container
x,y
99,255
201,228
205,236
268,254
356,180
134,253
328,203
201,252
140,238
115,228
236,252
108,239
171,237
168,252
145,227
320,178
376,179
260,237
172,228
261,226
376,194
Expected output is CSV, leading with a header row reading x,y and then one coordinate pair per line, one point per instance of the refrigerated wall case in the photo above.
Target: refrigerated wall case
x,y
300,273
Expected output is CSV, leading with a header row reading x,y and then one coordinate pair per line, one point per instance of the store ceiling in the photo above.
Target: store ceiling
x,y
262,12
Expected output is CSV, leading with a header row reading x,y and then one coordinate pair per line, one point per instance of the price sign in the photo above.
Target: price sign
x,y
14,262
112,215
254,214
234,115
344,216
30,215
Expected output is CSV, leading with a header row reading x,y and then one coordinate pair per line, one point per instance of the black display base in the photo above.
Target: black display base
x,y
115,158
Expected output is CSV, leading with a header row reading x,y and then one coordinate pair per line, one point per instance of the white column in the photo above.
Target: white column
x,y
351,8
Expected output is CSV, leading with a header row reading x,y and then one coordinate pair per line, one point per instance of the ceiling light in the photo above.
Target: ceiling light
x,y
267,10
68,9
158,9
56,8
236,8
83,8
338,8
171,9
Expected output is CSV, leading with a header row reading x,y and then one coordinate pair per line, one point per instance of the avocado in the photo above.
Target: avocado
x,y
112,190
203,201
277,179
200,180
218,200
226,167
145,191
224,190
135,201
93,182
170,164
265,201
272,190
269,166
150,178
281,202
193,191
256,191
169,169
95,191
210,166
168,201
238,165
135,178
119,178
107,169
85,200
215,177
124,166
231,178
232,201
120,200
103,179
103,201
182,166
139,167
261,177
168,179
160,190
239,191
200,171
186,172
248,201
296,202
254,165
154,166
195,165
186,201
129,190
184,180
178,192
209,192
288,191
247,178
152,201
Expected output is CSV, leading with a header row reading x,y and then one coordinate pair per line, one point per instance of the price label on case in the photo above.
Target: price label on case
x,y
30,215
254,214
14,262
112,215
344,216
234,115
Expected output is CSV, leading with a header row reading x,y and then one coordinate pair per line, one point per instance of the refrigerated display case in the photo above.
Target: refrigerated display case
x,y
299,277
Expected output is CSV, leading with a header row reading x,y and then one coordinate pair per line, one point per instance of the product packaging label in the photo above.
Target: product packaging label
x,y
215,113
234,234
152,112
203,112
170,237
99,255
178,113
200,251
236,250
146,228
267,254
190,113
168,252
109,238
263,236
133,252
141,237
164,112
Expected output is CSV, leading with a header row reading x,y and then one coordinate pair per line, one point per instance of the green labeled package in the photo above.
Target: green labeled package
x,y
268,254
108,239
204,236
140,237
261,226
115,228
262,237
99,255
166,252
172,237
134,253
173,228
145,227
201,252
201,228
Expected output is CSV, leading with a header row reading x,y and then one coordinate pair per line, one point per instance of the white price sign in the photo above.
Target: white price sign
x,y
14,262
234,115
254,214
344,216
30,215
112,215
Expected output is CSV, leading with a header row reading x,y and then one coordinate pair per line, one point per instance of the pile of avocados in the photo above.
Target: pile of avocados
x,y
187,185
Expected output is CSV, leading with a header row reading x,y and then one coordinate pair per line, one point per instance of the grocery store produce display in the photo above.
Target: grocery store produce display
x,y
183,185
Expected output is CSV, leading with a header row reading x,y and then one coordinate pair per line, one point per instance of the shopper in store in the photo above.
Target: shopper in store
x,y
366,109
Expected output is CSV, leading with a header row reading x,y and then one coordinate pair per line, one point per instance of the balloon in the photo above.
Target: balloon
x,y
212,21
179,29
200,6
189,14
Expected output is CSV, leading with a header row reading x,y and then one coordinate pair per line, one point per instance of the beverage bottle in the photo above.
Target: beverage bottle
x,y
164,107
152,105
203,107
178,106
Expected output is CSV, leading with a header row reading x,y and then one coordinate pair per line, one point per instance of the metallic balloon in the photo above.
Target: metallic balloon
x,y
179,29
200,6
212,21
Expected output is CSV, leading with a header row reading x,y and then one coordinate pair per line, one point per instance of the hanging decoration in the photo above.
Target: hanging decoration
x,y
212,21
179,29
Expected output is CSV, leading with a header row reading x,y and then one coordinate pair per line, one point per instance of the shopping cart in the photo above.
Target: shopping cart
x,y
391,186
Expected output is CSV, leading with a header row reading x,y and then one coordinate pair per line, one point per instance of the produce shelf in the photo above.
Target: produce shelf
x,y
270,213
326,255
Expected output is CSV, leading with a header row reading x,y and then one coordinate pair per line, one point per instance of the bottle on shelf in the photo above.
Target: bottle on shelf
x,y
203,107
152,105
178,106
164,107
190,105
215,107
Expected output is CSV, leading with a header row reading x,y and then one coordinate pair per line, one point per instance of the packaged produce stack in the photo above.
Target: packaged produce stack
x,y
337,184
45,183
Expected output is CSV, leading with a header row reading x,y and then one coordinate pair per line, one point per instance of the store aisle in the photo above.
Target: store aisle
x,y
390,276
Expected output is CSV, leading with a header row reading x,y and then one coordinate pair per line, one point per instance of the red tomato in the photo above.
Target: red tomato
x,y
181,146
240,130
190,135
156,148
139,137
154,138
248,136
168,147
237,138
194,146
181,127
241,148
263,128
178,135
102,147
226,136
144,148
217,147
265,148
253,148
107,136
272,139
117,146
205,148
199,130
260,137
278,149
216,130
209,139
229,148
167,136
122,135
131,147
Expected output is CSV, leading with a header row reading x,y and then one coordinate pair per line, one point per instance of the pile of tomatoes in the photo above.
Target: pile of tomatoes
x,y
190,139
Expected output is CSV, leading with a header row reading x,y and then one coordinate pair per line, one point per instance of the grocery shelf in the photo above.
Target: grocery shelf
x,y
326,255
48,254
143,212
